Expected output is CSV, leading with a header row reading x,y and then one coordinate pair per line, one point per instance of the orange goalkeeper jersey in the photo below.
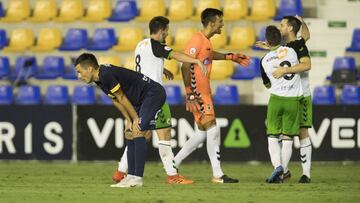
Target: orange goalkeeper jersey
x,y
200,47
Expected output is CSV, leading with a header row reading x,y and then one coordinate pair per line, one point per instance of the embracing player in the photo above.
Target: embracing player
x,y
289,27
283,112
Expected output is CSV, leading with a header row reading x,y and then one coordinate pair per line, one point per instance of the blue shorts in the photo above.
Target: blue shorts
x,y
150,106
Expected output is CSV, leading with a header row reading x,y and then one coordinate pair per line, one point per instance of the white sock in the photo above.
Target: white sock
x,y
167,157
286,152
189,146
123,164
213,150
305,155
274,151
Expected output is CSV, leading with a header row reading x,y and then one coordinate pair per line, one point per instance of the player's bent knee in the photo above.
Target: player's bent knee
x,y
164,134
304,133
138,134
207,125
147,135
128,135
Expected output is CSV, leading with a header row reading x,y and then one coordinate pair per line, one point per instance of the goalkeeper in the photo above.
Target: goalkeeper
x,y
197,86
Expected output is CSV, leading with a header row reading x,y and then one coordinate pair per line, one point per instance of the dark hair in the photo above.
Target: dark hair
x,y
86,60
294,23
273,35
158,23
209,15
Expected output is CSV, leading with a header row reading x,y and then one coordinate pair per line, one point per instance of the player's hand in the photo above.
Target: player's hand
x,y
239,58
168,74
128,124
262,44
192,102
299,18
279,72
203,68
135,126
128,131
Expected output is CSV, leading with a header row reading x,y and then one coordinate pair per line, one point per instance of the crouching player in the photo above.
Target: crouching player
x,y
137,97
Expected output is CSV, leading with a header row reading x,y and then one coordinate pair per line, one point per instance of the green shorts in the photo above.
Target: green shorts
x,y
163,118
283,116
306,112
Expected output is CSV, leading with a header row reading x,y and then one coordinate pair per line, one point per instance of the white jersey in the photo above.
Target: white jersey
x,y
149,58
289,85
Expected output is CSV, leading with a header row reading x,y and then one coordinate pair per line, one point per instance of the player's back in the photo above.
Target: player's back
x,y
290,84
149,58
134,85
200,47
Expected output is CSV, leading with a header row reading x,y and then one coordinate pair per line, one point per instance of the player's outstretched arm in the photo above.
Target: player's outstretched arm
x,y
124,101
304,65
262,45
188,59
305,33
239,58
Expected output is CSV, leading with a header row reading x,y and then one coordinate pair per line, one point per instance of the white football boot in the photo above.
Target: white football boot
x,y
129,181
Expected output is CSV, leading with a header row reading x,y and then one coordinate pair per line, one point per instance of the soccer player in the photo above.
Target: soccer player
x,y
149,58
289,27
197,86
283,112
137,97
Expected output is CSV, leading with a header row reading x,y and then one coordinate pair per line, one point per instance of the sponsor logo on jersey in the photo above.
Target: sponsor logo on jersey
x,y
206,61
282,53
192,50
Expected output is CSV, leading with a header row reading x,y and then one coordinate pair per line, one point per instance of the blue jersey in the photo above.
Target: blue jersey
x,y
134,85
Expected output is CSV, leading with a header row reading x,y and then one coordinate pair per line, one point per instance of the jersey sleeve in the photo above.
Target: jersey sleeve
x,y
301,48
110,81
193,46
160,50
264,77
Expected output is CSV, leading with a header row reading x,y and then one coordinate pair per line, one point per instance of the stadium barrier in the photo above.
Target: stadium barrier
x,y
36,132
96,133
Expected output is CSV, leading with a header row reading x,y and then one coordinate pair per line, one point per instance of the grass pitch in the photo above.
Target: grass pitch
x,y
23,181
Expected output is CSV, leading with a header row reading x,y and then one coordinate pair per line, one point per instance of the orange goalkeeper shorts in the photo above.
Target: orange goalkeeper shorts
x,y
207,112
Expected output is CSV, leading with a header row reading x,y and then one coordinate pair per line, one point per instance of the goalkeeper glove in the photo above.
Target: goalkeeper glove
x,y
239,58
